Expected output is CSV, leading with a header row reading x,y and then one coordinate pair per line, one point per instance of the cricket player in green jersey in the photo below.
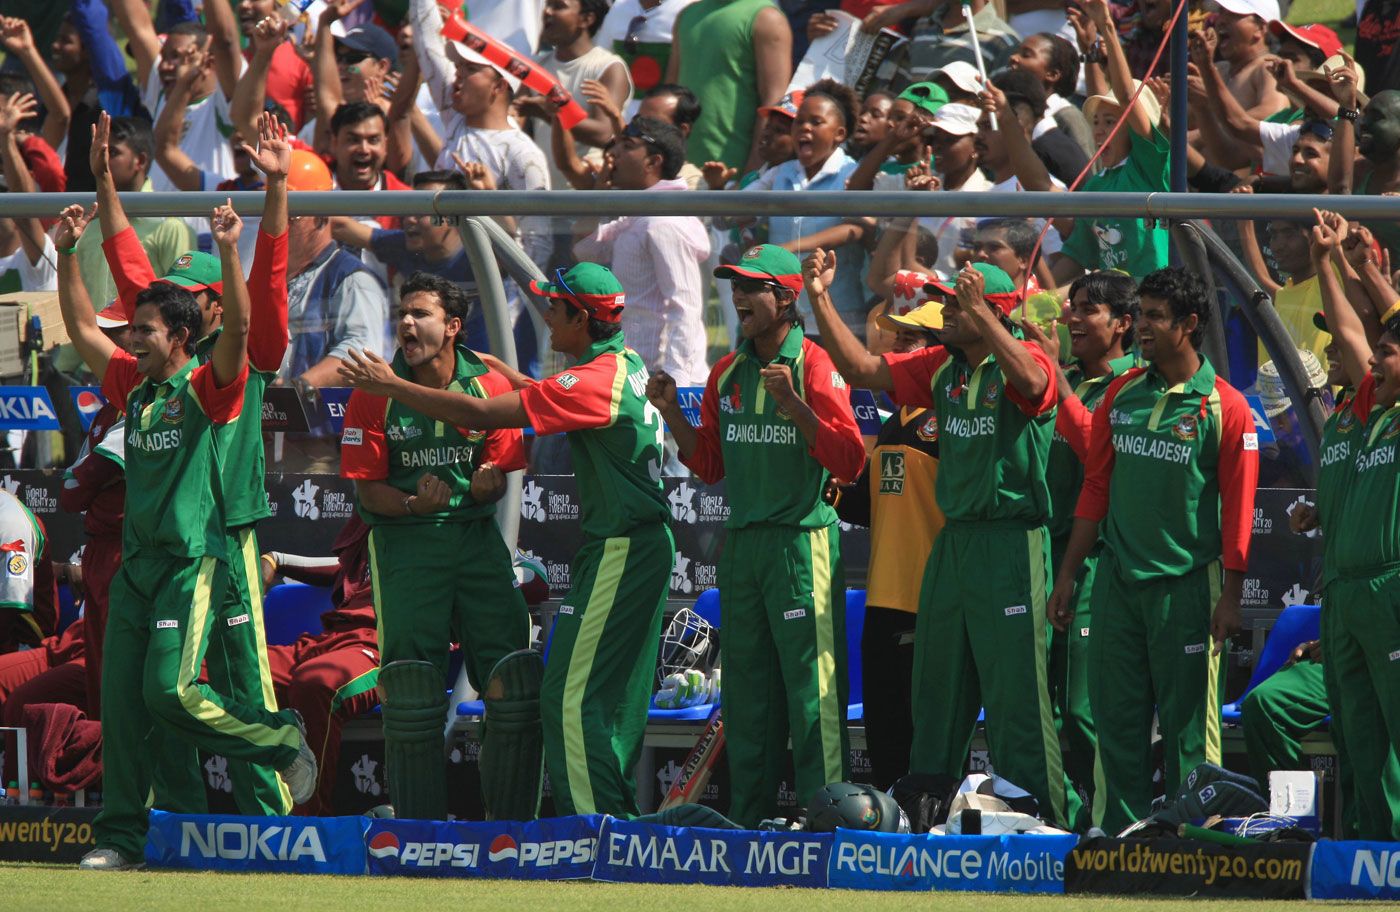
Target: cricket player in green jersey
x,y
238,664
981,638
428,491
1100,313
1358,498
174,569
602,656
776,422
1173,460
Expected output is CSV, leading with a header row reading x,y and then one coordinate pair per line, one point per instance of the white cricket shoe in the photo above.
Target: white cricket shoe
x,y
108,860
300,775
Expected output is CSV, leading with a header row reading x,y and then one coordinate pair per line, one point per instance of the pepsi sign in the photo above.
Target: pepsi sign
x,y
556,849
87,401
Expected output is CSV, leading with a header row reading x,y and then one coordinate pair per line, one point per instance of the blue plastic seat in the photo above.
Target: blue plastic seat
x,y
68,608
855,628
291,609
1297,624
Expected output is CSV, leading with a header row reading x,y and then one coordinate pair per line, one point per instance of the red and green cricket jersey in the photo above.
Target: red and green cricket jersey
x,y
1173,468
1070,446
1362,526
1341,438
175,502
241,442
994,444
615,436
774,477
385,440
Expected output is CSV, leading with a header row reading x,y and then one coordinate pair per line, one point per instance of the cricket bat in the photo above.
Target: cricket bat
x,y
699,764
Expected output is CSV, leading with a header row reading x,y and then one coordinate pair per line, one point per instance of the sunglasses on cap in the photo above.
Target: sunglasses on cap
x,y
350,58
633,38
635,131
1319,128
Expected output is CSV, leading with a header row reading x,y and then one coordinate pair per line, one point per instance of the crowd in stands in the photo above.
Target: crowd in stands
x,y
688,95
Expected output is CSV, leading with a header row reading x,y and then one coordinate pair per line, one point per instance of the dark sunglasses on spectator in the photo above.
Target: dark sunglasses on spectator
x,y
350,58
633,37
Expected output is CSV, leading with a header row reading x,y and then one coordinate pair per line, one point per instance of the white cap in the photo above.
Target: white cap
x,y
1265,9
961,74
957,119
1145,98
468,55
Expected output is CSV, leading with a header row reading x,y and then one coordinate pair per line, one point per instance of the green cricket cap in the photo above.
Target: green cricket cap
x,y
769,262
927,96
196,271
588,286
997,287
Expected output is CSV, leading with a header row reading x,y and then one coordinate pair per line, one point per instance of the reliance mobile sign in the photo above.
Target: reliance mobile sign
x,y
901,861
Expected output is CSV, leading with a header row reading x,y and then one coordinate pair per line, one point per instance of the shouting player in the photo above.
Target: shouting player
x,y
175,553
597,684
440,570
1172,466
981,634
776,421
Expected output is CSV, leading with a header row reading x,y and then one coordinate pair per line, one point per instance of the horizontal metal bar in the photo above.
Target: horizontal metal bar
x,y
735,203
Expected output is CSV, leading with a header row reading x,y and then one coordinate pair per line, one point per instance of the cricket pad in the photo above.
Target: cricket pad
x,y
413,701
512,741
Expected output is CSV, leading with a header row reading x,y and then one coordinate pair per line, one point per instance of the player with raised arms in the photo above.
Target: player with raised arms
x,y
597,684
165,597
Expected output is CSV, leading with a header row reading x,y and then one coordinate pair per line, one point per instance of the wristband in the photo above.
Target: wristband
x,y
1348,114
69,250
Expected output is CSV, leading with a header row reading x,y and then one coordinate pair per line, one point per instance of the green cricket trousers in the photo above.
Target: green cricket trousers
x,y
783,642
599,670
1151,649
162,610
982,641
1361,663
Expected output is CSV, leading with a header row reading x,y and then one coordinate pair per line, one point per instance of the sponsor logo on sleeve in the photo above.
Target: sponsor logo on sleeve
x,y
17,565
352,436
1015,610
1250,441
1195,648
566,380
168,624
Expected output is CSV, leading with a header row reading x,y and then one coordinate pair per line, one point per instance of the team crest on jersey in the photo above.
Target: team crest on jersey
x,y
733,403
475,436
954,392
1185,428
928,431
174,412
991,394
1346,421
17,564
566,380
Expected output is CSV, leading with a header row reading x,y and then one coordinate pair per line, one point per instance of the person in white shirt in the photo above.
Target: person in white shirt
x,y
568,26
656,258
956,161
474,96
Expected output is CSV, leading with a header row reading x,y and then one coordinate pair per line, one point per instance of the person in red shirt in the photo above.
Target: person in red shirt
x,y
289,78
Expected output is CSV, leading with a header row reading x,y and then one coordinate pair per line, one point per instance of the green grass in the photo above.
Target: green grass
x,y
29,887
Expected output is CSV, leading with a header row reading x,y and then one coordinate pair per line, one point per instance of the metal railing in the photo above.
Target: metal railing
x,y
736,203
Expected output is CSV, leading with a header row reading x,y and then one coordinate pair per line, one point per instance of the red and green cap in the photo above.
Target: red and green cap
x,y
997,287
588,286
196,271
1320,321
767,262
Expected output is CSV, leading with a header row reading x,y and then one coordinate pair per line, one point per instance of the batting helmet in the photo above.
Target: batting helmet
x,y
855,807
